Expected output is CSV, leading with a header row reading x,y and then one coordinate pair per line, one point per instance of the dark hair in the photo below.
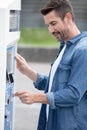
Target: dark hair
x,y
61,7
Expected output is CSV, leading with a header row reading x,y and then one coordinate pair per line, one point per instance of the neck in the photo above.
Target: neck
x,y
74,31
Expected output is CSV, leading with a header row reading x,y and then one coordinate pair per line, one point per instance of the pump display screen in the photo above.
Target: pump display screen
x,y
14,20
10,59
10,62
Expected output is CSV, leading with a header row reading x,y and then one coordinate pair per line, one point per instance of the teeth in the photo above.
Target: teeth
x,y
56,33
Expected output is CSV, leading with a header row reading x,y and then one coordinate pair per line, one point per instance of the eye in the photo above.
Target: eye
x,y
53,23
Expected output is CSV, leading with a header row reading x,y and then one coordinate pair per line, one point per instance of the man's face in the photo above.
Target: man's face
x,y
56,26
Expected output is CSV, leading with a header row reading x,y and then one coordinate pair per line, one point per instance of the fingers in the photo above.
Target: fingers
x,y
20,63
21,94
25,97
18,56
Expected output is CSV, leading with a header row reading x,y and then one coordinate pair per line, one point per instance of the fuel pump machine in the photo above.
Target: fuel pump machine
x,y
9,36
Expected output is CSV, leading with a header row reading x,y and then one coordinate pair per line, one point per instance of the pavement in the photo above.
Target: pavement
x,y
26,116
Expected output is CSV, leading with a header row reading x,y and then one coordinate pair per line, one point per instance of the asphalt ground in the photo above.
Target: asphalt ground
x,y
26,116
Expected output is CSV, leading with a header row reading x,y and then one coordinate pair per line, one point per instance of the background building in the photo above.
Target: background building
x,y
31,17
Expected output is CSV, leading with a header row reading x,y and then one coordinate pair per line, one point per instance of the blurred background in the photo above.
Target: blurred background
x,y
39,48
33,30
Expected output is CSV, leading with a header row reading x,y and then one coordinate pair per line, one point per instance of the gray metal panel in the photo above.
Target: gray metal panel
x,y
31,17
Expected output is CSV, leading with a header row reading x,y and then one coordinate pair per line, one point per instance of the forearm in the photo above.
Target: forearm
x,y
40,98
31,74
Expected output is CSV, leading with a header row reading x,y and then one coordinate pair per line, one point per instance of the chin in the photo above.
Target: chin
x,y
58,38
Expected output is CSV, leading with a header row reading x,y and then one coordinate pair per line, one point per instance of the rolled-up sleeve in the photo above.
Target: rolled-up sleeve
x,y
50,97
41,82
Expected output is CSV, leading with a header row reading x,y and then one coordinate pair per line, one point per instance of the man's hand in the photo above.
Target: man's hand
x,y
25,97
22,65
25,69
30,98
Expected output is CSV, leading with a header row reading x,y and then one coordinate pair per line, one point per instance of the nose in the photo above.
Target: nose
x,y
51,29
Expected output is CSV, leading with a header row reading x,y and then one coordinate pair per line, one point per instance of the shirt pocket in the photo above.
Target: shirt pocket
x,y
64,71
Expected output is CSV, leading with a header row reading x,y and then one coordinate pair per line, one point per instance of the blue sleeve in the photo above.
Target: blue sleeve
x,y
41,82
50,98
76,86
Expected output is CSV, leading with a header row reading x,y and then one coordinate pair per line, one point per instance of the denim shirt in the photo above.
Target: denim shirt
x,y
68,96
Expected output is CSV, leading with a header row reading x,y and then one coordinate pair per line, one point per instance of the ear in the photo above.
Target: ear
x,y
68,17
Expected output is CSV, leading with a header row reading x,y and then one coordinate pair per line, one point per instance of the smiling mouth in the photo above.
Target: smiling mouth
x,y
56,34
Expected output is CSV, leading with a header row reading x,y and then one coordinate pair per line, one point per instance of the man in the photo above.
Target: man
x,y
65,98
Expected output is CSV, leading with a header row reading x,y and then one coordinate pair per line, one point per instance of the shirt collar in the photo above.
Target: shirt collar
x,y
76,38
